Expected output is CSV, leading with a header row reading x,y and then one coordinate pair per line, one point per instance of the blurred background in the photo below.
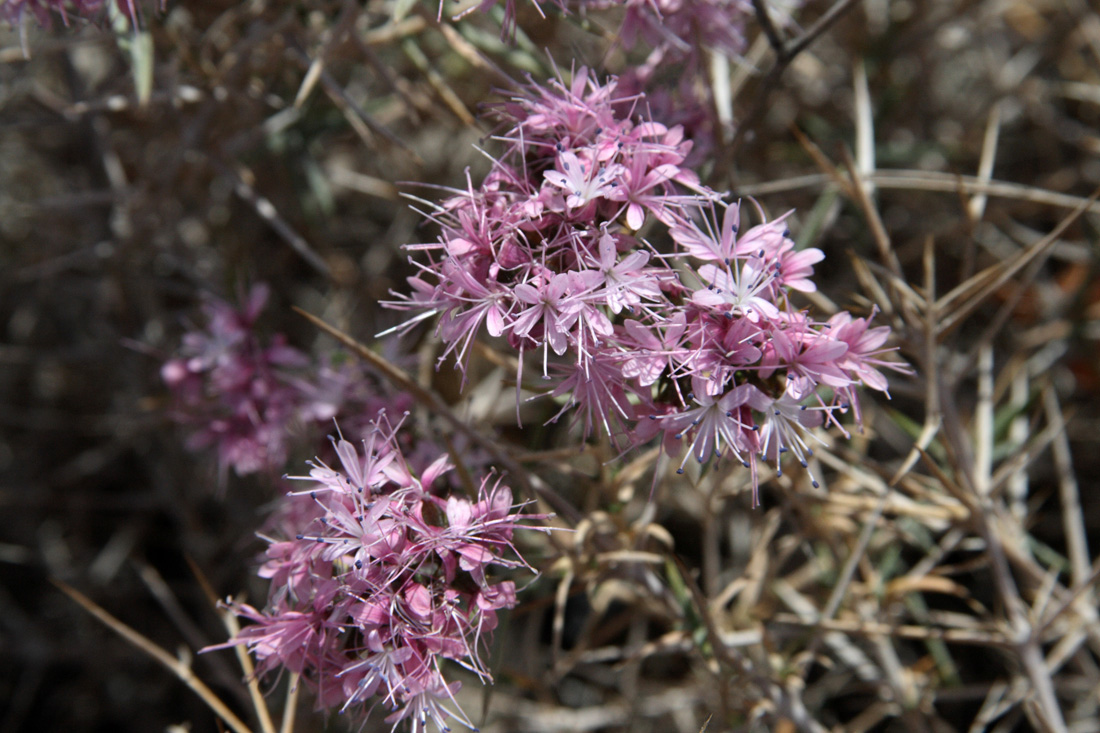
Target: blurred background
x,y
939,152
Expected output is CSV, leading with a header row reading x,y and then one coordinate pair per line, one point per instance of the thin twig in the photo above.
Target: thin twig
x,y
787,703
765,20
978,288
175,666
935,181
267,211
784,56
437,406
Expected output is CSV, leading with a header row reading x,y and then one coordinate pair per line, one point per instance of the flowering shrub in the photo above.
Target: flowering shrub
x,y
701,345
375,581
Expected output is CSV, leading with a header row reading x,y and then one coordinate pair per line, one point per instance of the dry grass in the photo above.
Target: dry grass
x,y
945,155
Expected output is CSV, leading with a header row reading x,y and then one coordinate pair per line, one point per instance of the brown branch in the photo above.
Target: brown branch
x,y
784,56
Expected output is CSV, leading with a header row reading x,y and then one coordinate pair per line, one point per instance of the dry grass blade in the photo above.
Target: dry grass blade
x,y
878,230
787,700
976,207
364,125
978,288
331,36
864,628
439,83
223,672
865,128
391,32
935,181
830,173
1073,519
1083,589
229,620
1026,643
468,51
983,424
785,54
290,709
363,183
175,666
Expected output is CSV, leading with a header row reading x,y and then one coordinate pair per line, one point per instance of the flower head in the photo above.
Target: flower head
x,y
380,581
548,251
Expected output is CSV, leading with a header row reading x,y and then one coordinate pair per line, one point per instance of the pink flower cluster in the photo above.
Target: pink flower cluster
x,y
681,28
245,397
378,581
698,345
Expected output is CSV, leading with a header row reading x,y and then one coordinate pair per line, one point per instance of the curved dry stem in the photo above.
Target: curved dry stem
x,y
174,665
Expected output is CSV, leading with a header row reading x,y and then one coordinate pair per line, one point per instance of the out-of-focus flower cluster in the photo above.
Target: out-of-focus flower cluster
x,y
679,39
375,581
700,345
13,11
679,29
245,396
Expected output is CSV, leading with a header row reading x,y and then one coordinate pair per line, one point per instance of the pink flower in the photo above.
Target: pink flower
x,y
654,350
549,309
582,181
710,246
716,426
737,290
625,283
